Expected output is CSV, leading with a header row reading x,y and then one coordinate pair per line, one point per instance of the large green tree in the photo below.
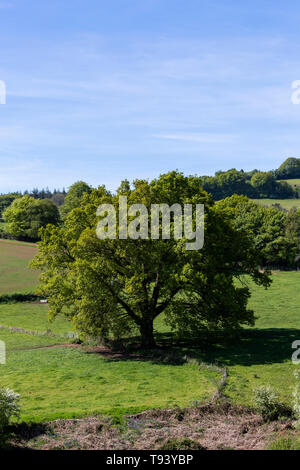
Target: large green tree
x,y
6,200
73,197
290,168
264,182
113,285
26,215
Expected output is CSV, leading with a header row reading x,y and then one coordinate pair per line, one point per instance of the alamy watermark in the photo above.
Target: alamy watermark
x,y
2,92
295,97
296,392
163,221
2,352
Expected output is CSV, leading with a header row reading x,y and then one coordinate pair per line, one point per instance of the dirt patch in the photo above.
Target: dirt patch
x,y
211,426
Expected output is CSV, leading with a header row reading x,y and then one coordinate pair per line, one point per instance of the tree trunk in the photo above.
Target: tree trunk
x,y
146,330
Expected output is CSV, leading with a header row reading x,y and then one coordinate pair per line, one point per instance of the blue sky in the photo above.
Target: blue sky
x,y
106,90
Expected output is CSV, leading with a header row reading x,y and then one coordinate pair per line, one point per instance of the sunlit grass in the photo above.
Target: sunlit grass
x,y
33,317
15,275
285,203
66,382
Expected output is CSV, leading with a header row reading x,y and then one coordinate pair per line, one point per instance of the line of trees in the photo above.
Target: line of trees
x,y
275,232
110,287
24,215
255,184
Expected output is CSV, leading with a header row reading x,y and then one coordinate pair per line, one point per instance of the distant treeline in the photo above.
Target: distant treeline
x,y
57,196
255,184
274,231
23,214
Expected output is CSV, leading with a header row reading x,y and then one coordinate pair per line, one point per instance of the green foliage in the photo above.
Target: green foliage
x,y
74,197
111,286
9,406
290,168
6,200
181,444
267,403
285,443
226,183
18,297
266,185
263,182
254,184
27,215
275,233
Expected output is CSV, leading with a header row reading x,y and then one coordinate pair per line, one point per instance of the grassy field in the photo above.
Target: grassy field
x,y
32,317
285,203
67,381
263,356
64,381
293,182
15,275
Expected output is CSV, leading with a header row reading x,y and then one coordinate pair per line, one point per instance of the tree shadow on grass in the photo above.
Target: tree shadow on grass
x,y
255,346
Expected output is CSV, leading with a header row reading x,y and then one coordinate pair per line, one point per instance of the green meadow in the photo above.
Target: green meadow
x,y
293,182
285,203
15,276
59,380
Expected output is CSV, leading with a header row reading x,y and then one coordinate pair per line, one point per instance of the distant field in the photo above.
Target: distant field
x,y
292,182
15,275
285,203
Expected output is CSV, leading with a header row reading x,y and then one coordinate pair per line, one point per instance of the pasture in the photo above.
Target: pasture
x,y
295,182
15,276
285,203
59,380
56,382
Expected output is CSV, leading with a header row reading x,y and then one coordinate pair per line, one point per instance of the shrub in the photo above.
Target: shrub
x,y
285,443
269,406
9,407
18,297
181,444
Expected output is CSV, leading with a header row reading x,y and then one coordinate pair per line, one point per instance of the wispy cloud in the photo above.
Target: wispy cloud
x,y
98,102
198,137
